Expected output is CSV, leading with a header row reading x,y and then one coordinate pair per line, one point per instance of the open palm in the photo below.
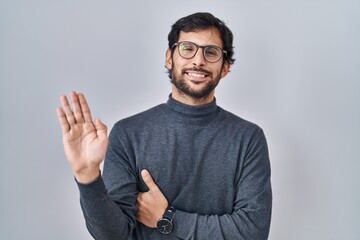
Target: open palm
x,y
85,141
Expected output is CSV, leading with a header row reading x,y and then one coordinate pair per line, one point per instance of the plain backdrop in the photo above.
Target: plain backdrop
x,y
297,75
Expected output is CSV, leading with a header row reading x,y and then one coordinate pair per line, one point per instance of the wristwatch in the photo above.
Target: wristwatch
x,y
165,224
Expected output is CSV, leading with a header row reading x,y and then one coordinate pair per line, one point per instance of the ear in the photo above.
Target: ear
x,y
168,59
225,69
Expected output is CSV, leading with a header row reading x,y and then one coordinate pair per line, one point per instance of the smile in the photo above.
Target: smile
x,y
197,75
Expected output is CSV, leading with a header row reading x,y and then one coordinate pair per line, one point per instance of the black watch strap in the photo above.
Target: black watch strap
x,y
165,223
169,213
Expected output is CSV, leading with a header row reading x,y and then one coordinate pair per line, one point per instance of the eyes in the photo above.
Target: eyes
x,y
191,48
187,47
211,53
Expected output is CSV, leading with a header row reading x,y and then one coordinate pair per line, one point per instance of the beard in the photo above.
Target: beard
x,y
177,78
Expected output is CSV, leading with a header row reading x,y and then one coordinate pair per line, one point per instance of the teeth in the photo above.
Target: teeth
x,y
196,75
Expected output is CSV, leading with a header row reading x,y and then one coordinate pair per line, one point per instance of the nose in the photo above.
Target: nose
x,y
199,59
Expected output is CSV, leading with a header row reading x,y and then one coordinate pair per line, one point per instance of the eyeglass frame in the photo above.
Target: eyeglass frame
x,y
203,50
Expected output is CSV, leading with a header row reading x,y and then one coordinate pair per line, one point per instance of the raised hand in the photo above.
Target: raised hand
x,y
85,141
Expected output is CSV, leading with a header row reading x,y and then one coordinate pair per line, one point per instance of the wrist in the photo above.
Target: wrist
x,y
165,224
86,176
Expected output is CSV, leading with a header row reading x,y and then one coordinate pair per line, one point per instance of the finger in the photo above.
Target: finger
x,y
148,180
139,217
67,110
138,209
138,203
101,128
85,108
62,119
139,196
76,106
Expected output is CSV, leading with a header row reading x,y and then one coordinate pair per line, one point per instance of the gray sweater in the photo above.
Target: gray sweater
x,y
211,165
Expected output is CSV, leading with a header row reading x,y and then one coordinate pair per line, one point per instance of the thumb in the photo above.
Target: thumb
x,y
101,128
148,180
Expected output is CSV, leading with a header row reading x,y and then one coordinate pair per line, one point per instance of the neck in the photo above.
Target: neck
x,y
188,100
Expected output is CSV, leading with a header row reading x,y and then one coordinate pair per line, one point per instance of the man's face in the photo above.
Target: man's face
x,y
196,77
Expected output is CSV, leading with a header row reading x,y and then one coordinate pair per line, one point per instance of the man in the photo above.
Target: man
x,y
185,169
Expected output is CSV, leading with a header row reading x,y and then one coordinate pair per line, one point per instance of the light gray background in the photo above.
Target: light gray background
x,y
296,75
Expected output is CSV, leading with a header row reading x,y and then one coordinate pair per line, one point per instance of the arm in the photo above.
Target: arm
x,y
105,220
251,214
85,143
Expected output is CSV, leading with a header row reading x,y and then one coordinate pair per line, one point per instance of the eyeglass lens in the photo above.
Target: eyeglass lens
x,y
189,49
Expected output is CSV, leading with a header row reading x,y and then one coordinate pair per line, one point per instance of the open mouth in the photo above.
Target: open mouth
x,y
196,75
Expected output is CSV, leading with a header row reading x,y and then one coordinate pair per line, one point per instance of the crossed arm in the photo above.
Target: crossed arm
x,y
85,144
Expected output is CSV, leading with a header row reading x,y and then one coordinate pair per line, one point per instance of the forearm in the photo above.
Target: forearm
x,y
105,220
251,221
251,214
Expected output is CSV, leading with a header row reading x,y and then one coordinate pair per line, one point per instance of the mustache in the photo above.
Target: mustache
x,y
196,69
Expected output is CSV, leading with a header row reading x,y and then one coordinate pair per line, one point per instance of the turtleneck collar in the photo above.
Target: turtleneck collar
x,y
195,114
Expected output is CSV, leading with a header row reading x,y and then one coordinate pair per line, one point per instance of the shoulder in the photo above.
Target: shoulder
x,y
240,128
237,121
249,135
140,120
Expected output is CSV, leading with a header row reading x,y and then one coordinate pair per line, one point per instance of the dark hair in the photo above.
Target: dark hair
x,y
203,20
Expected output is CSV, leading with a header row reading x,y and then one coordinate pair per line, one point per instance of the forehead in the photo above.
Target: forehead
x,y
209,36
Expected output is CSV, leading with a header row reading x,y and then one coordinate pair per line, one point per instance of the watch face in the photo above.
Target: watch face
x,y
164,226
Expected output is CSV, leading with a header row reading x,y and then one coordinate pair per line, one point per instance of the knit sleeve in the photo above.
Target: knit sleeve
x,y
110,211
250,218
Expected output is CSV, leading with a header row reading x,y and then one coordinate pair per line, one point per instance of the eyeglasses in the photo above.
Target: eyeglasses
x,y
211,53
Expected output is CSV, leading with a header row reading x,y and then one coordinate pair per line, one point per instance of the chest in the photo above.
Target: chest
x,y
194,169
